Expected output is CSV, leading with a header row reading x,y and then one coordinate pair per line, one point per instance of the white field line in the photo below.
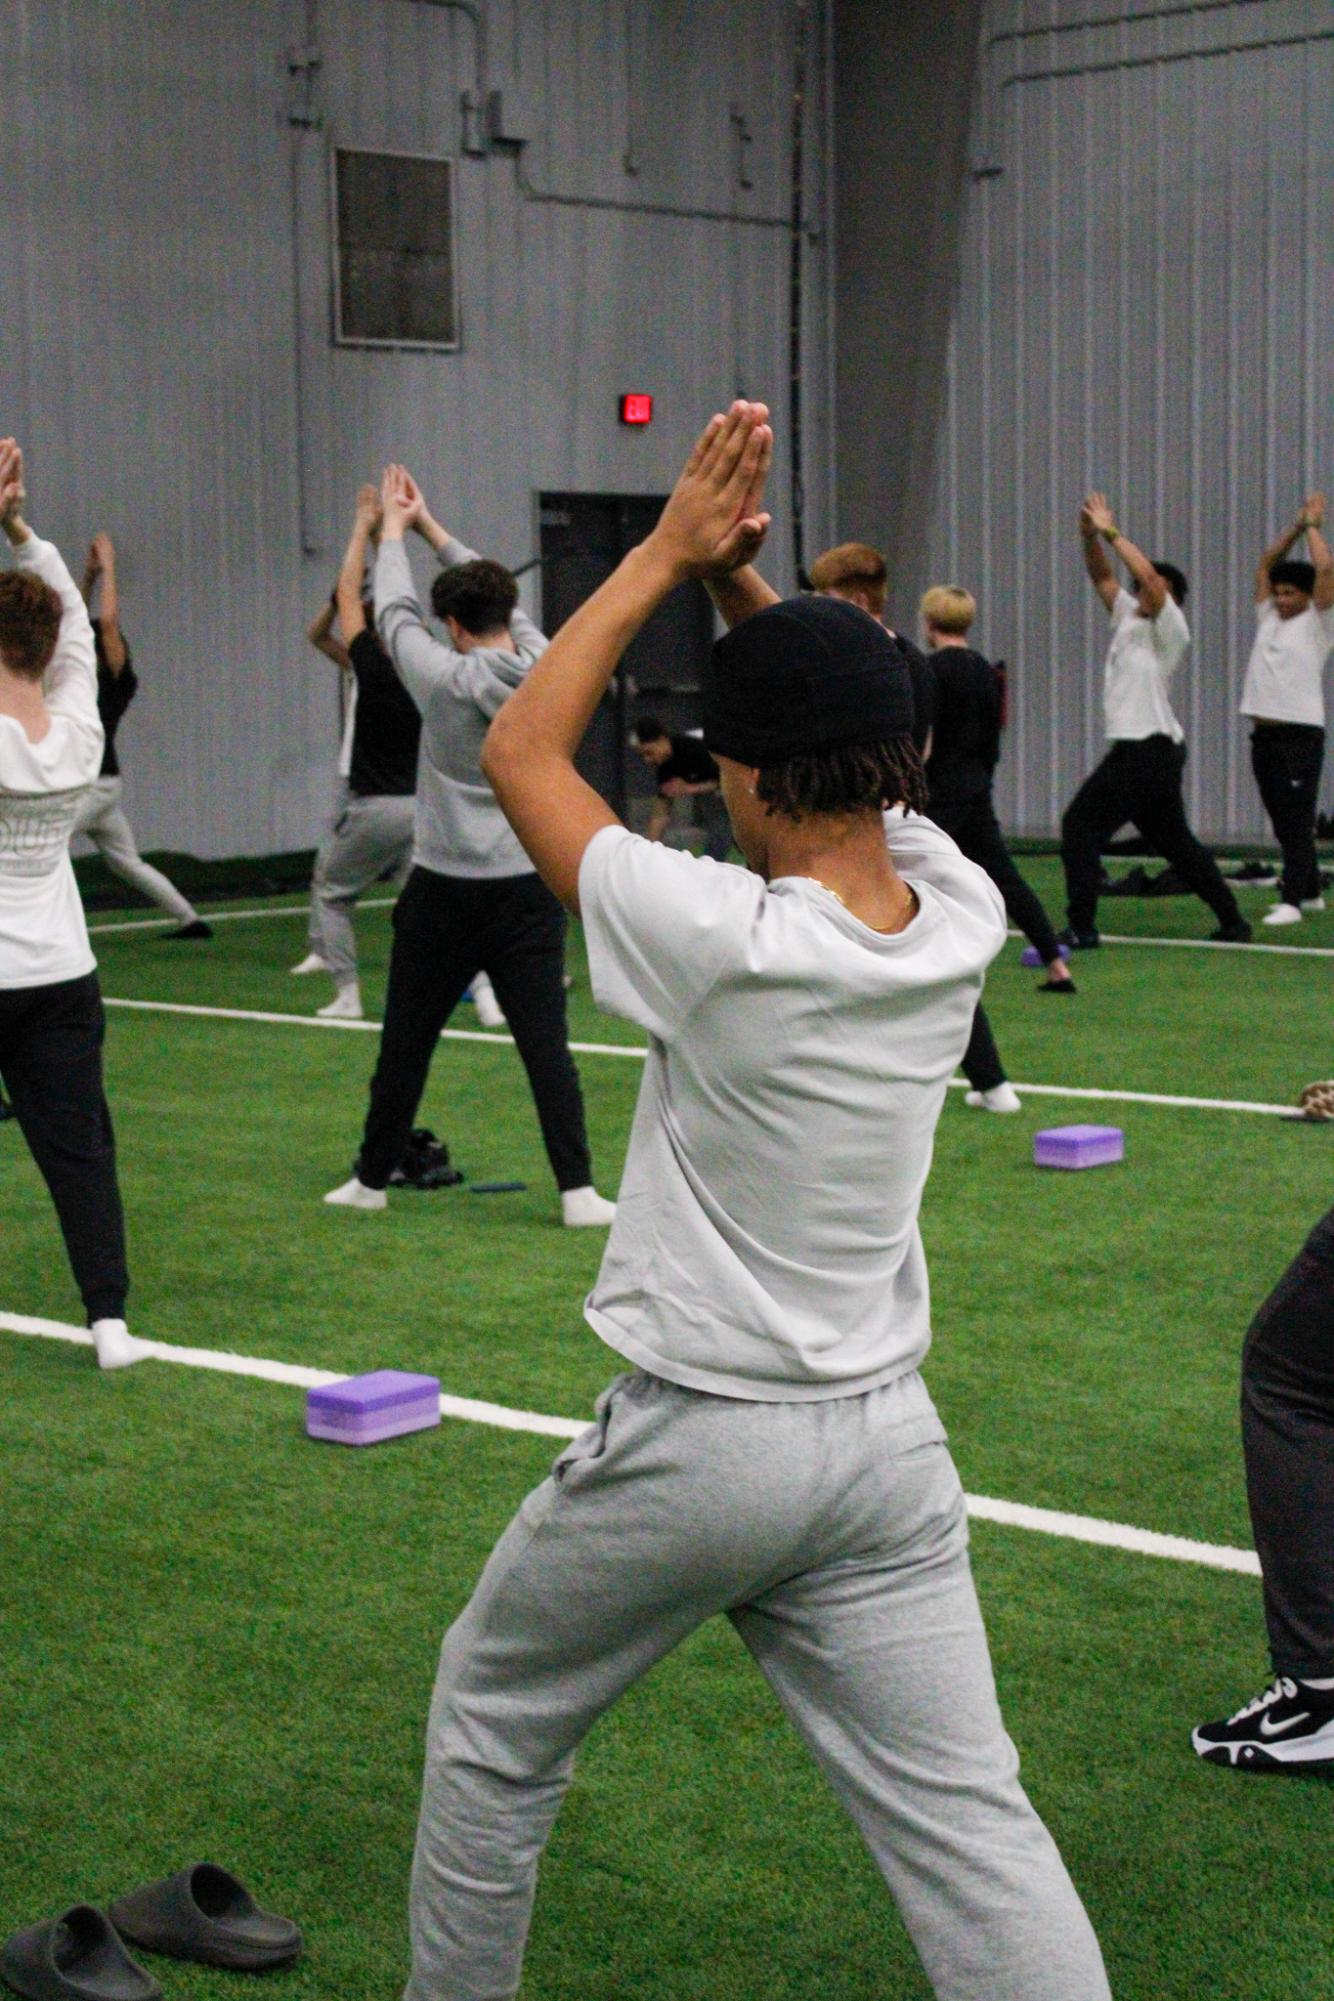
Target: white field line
x,y
637,1053
230,916
1010,1514
387,903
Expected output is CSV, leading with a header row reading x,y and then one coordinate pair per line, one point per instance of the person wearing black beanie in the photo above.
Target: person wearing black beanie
x,y
1284,699
772,1455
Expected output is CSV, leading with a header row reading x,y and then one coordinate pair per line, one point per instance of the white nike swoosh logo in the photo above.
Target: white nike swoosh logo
x,y
1268,1729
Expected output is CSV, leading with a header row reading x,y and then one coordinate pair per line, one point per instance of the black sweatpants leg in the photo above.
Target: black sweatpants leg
x,y
981,1063
1139,780
447,929
1160,815
973,824
1286,759
51,1064
1287,1424
1098,808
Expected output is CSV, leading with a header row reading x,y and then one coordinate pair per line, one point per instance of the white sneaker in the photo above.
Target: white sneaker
x,y
1313,903
312,963
489,1013
1000,1098
355,1195
345,1005
116,1346
585,1209
1283,913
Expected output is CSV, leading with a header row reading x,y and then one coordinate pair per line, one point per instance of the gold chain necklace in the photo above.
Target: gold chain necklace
x,y
883,931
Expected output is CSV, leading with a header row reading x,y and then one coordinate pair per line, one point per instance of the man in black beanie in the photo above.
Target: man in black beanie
x,y
773,1454
1284,699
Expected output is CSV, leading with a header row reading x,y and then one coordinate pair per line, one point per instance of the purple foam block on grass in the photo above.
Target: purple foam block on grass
x,y
365,1409
1030,956
1078,1146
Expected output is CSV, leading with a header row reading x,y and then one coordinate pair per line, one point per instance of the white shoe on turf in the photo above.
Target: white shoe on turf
x,y
1282,913
585,1209
1000,1098
354,1194
345,1005
312,963
489,1011
116,1346
1313,903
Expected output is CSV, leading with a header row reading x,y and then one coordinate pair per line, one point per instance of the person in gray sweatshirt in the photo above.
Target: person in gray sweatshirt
x,y
473,901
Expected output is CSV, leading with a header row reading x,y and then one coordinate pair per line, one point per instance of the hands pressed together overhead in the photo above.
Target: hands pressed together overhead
x,y
713,523
13,493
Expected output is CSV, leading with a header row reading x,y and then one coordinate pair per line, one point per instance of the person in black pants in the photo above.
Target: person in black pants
x,y
965,750
473,901
1284,699
858,574
51,1019
1139,779
1287,1428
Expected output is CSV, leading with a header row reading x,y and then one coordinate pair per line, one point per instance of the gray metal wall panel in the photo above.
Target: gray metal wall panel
x,y
167,349
1145,303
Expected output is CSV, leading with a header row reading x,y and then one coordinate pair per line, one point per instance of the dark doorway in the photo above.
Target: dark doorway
x,y
583,538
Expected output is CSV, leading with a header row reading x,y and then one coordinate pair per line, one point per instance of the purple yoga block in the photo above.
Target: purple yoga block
x,y
365,1409
1030,956
1078,1146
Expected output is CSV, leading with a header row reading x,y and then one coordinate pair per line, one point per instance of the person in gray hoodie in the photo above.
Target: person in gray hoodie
x,y
473,901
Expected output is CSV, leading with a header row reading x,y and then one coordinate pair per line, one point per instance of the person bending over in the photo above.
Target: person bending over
x,y
1139,779
101,818
682,769
1284,697
51,1019
771,1453
857,574
472,902
1287,1432
965,751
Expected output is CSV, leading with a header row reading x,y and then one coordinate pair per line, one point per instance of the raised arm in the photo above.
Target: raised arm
x,y
351,576
1313,514
1141,569
320,634
1101,574
1278,550
739,594
69,685
101,567
705,529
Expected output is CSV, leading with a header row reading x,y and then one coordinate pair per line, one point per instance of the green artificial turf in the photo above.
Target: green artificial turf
x,y
217,1638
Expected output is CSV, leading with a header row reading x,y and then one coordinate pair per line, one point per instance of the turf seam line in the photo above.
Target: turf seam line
x,y
229,916
637,1052
1008,1514
1217,945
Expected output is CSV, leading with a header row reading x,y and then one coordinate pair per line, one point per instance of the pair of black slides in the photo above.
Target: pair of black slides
x,y
202,1913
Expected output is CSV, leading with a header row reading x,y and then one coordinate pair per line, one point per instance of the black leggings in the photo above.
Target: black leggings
x,y
51,1064
965,811
1286,759
1139,780
446,930
1287,1428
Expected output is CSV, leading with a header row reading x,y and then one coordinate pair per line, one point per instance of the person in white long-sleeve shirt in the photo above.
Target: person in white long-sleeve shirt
x,y
51,1018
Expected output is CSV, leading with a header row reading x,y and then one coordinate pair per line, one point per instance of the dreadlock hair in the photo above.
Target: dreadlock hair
x,y
850,778
481,595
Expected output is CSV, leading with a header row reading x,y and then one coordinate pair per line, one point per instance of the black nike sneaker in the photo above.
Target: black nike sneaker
x,y
1290,1724
1078,941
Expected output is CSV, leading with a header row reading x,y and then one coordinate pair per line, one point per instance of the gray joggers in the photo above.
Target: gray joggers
x,y
833,1535
100,817
371,837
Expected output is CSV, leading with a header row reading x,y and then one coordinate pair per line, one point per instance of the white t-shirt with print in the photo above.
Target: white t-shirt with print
x,y
765,1244
1287,665
43,935
1141,660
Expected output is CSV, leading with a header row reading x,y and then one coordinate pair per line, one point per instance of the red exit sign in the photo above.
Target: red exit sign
x,y
636,409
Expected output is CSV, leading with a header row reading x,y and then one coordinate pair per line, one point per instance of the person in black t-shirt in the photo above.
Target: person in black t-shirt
x,y
371,837
963,763
858,574
100,816
683,769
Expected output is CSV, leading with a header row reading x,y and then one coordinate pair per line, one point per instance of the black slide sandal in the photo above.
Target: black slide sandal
x,y
205,1914
75,1957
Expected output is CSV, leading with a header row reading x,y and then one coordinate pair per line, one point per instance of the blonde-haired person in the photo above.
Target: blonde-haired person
x,y
965,750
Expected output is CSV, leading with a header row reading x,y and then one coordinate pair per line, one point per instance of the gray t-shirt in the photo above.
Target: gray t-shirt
x,y
459,829
766,1243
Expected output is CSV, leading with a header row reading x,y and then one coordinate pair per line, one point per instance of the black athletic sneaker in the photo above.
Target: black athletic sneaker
x,y
1079,941
1290,1724
425,1163
1231,934
195,929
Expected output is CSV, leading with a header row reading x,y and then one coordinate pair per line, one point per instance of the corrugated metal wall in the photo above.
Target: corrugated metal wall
x,y
1145,304
165,340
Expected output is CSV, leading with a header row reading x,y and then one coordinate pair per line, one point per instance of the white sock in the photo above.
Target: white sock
x,y
355,1195
116,1346
584,1209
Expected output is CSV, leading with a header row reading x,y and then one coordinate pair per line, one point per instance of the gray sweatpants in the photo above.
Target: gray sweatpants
x,y
371,837
100,817
833,1536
